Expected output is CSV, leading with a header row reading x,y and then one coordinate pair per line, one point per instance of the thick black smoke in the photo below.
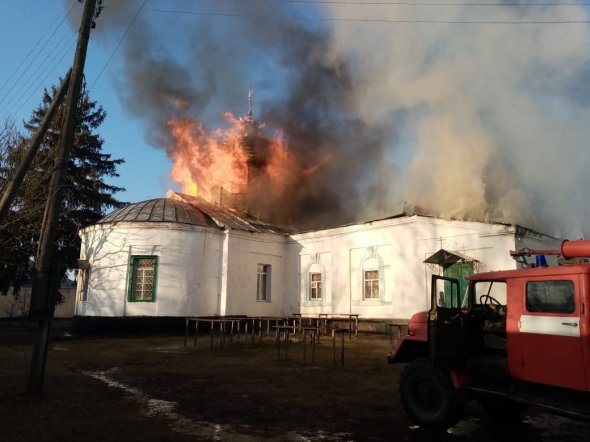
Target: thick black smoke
x,y
178,63
455,108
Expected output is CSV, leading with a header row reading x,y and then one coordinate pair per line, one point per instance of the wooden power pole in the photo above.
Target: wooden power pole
x,y
46,280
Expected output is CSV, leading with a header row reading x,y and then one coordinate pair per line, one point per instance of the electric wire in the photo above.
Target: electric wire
x,y
43,81
36,53
309,2
379,20
24,59
43,64
118,44
36,83
375,20
406,3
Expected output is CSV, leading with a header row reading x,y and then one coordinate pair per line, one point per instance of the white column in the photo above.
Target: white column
x,y
224,259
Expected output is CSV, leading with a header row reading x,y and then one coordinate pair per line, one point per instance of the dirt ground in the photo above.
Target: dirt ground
x,y
152,388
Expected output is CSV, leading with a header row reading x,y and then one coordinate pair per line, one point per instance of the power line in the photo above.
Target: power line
x,y
41,68
38,51
31,50
44,80
377,20
464,22
385,3
44,68
119,43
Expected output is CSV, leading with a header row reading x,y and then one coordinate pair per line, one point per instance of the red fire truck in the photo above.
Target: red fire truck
x,y
515,338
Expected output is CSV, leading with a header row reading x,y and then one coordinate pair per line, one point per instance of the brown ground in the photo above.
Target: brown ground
x,y
152,388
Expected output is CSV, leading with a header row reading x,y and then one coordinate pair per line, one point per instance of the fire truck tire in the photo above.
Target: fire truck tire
x,y
428,396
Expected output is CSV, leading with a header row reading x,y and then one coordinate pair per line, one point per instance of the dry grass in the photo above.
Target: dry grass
x,y
153,388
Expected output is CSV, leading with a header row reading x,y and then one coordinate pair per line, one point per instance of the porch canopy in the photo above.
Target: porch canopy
x,y
445,257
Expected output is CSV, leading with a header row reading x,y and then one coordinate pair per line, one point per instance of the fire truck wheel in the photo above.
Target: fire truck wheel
x,y
428,396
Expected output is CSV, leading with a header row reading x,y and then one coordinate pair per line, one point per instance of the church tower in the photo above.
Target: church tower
x,y
256,150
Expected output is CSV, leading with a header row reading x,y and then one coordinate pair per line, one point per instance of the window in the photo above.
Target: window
x,y
371,284
484,290
84,278
263,283
143,278
550,297
315,292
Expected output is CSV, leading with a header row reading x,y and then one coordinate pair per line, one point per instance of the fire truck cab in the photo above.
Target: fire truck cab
x,y
515,338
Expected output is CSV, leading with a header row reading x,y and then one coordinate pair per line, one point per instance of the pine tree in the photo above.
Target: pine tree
x,y
15,247
87,195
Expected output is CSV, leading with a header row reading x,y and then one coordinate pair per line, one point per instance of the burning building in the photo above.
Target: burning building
x,y
237,167
185,256
440,120
213,250
255,155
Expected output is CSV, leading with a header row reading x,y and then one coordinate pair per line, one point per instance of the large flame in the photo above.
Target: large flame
x,y
209,162
205,161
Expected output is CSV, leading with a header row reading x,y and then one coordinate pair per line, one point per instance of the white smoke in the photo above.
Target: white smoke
x,y
430,104
499,112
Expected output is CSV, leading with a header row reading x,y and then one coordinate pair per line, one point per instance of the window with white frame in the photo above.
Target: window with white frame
x,y
143,273
263,283
371,284
315,291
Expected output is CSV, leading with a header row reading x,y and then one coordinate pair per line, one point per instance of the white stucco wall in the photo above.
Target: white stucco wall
x,y
246,250
399,245
188,279
206,271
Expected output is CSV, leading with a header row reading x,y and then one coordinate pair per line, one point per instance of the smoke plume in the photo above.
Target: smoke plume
x,y
462,111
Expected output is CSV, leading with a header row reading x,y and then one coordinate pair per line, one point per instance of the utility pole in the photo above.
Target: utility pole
x,y
46,280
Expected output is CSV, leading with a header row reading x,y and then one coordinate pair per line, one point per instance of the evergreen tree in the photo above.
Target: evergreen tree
x,y
14,245
87,197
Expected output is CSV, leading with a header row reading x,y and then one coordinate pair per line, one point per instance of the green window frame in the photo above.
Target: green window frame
x,y
143,278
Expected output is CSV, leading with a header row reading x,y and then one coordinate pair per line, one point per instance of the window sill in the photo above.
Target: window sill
x,y
371,302
318,303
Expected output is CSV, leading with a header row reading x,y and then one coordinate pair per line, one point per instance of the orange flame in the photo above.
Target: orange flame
x,y
281,165
206,162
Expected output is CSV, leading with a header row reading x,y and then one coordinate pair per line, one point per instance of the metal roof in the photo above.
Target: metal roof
x,y
160,210
186,209
229,218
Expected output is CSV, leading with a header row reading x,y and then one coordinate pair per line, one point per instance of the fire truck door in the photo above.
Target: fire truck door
x,y
549,332
445,325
